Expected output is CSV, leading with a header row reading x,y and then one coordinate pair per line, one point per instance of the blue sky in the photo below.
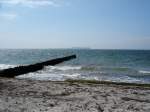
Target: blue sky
x,y
100,24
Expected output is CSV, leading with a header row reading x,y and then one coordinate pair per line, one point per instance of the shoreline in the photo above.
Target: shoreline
x,y
144,85
72,95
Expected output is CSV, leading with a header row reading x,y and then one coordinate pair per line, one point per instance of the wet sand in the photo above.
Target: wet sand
x,y
47,96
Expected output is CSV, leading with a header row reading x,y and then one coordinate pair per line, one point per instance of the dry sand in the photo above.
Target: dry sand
x,y
46,96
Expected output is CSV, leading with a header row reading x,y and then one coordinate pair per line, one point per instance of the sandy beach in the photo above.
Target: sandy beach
x,y
46,96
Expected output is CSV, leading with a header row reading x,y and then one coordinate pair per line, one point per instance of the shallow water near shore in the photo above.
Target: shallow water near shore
x,y
106,65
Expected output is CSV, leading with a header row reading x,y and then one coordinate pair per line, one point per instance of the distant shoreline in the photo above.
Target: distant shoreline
x,y
72,49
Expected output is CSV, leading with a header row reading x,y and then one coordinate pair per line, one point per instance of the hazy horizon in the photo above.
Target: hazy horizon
x,y
55,24
15,48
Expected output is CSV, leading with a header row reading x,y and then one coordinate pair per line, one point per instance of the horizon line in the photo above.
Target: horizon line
x,y
80,48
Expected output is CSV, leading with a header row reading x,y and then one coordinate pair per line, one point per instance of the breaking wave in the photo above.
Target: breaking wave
x,y
60,73
5,66
64,68
49,76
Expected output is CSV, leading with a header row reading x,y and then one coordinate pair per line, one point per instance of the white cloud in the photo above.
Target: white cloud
x,y
10,4
8,16
30,3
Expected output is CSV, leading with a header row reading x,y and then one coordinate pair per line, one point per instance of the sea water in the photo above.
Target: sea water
x,y
103,65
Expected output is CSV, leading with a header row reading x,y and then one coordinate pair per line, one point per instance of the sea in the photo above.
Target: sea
x,y
131,66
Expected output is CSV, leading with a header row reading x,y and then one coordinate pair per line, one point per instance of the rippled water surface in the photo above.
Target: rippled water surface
x,y
112,65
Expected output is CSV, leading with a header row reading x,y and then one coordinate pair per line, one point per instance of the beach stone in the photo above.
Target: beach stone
x,y
47,96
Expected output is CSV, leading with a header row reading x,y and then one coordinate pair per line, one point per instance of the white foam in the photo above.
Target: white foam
x,y
71,75
90,78
4,66
144,72
64,68
41,75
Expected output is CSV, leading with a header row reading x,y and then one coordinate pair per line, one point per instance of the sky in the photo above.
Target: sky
x,y
97,24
